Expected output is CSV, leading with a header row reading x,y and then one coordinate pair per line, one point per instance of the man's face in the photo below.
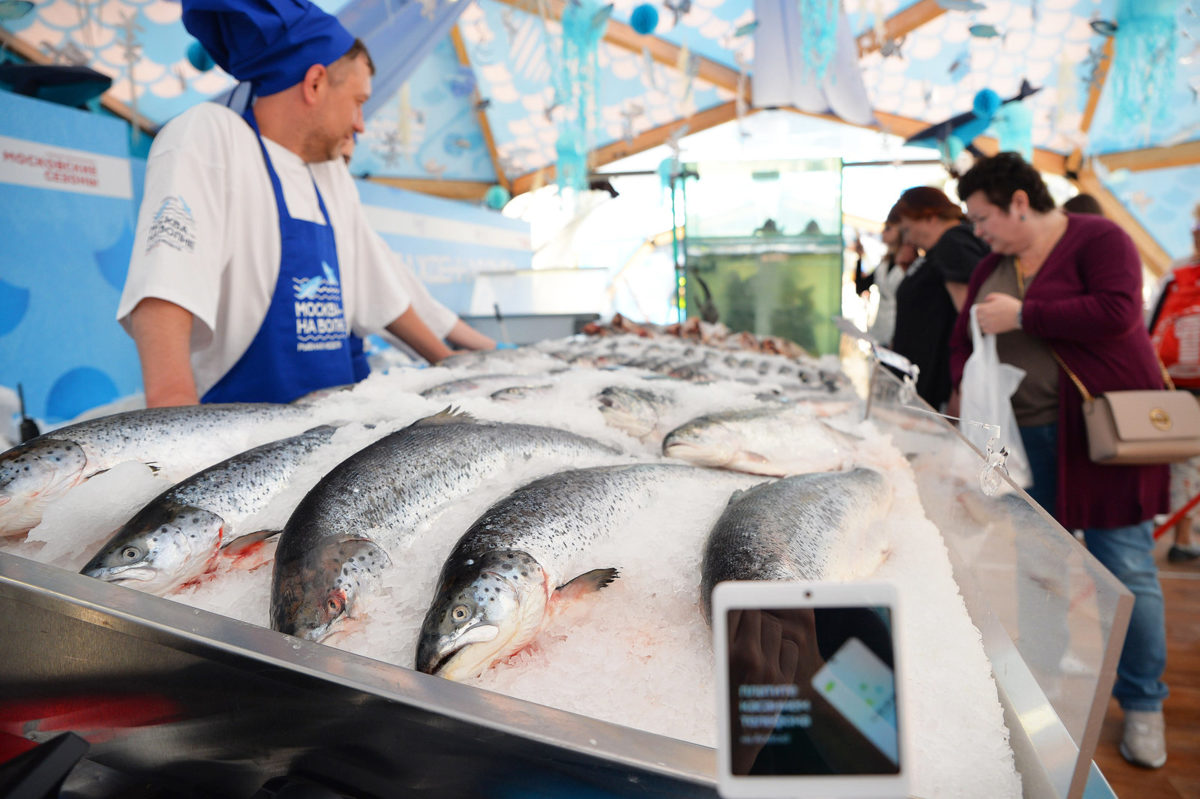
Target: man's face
x,y
339,111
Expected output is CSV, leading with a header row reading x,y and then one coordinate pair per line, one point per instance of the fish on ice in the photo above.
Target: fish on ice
x,y
343,533
182,533
35,473
527,556
821,526
776,440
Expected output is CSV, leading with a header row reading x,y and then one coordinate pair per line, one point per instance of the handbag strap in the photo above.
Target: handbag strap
x,y
1087,397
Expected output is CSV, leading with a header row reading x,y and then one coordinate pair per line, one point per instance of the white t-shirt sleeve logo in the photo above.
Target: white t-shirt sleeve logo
x,y
172,225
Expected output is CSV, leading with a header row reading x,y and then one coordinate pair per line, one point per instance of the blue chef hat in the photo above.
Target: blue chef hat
x,y
270,43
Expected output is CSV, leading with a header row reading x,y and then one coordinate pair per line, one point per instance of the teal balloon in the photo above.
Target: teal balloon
x,y
987,103
644,19
496,197
198,57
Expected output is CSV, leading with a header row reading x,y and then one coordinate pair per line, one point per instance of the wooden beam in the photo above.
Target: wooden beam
x,y
1186,154
899,25
30,53
469,190
480,113
1097,87
622,35
1152,253
702,120
1045,160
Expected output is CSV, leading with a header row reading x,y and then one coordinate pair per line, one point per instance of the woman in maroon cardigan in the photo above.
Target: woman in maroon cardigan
x,y
1072,285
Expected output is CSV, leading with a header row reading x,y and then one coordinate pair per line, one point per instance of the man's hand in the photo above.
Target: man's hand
x,y
410,329
162,331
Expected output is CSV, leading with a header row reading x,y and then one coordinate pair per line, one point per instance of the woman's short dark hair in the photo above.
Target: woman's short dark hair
x,y
1002,175
925,202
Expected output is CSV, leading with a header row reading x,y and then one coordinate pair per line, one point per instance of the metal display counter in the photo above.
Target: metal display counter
x,y
170,694
1052,618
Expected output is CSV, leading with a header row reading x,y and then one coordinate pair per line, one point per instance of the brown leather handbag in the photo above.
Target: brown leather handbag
x,y
1140,427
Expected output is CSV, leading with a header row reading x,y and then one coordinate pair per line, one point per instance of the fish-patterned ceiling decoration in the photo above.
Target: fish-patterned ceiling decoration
x,y
497,84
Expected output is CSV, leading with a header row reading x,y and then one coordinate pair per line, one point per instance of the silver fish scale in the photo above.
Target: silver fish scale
x,y
397,483
243,485
154,432
788,530
557,516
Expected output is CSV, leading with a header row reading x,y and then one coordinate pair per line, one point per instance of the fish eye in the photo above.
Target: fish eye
x,y
460,613
131,554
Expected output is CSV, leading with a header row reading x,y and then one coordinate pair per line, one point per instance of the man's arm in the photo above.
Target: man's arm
x,y
409,328
162,331
463,335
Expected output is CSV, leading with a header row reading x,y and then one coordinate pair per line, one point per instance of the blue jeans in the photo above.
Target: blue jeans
x,y
1041,447
1128,553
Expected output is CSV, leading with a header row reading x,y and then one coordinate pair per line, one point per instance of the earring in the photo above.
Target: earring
x,y
1022,217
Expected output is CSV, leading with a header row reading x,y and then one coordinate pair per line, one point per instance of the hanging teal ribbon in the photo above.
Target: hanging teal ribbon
x,y
818,20
1143,68
576,84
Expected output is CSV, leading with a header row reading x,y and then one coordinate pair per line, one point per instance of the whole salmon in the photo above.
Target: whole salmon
x,y
180,533
41,470
823,526
372,503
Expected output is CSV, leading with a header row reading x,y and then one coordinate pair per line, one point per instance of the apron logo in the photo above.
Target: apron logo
x,y
320,323
172,225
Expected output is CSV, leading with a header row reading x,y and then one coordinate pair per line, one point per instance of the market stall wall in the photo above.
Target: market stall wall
x,y
67,215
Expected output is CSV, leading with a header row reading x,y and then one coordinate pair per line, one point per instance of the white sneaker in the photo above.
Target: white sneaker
x,y
1143,743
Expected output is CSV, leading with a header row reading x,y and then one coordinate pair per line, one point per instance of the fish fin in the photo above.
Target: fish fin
x,y
585,583
448,415
246,553
236,545
738,493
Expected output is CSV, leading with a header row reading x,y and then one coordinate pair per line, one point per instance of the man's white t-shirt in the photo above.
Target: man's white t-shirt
x,y
436,316
208,236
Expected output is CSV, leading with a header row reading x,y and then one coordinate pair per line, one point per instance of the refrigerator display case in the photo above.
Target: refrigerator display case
x,y
169,694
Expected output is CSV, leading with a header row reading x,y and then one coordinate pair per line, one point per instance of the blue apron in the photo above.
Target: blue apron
x,y
301,344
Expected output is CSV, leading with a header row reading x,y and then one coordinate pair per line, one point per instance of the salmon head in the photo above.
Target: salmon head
x,y
34,474
486,609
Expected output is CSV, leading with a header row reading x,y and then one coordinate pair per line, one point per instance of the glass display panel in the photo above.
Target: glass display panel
x,y
1060,611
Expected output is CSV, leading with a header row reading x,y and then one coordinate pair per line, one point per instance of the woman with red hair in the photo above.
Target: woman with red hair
x,y
929,297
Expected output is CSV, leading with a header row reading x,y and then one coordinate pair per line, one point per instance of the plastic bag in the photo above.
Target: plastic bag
x,y
986,399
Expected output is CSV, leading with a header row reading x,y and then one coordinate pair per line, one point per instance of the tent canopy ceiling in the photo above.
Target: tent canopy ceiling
x,y
479,108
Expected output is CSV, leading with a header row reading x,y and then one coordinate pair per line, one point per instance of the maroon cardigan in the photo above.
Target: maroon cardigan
x,y
1086,303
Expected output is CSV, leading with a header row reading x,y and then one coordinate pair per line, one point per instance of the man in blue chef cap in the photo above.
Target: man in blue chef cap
x,y
253,260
